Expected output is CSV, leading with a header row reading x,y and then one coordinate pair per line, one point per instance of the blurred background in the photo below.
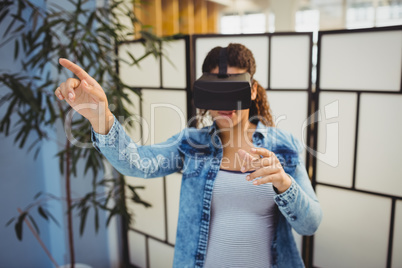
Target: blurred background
x,y
332,70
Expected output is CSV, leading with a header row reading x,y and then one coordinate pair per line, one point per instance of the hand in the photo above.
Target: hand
x,y
267,167
86,96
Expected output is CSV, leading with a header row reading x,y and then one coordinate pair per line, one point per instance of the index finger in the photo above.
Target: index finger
x,y
262,151
77,70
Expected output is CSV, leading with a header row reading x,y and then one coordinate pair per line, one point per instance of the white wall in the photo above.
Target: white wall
x,y
22,177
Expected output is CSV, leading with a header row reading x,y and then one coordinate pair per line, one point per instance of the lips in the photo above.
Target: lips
x,y
226,113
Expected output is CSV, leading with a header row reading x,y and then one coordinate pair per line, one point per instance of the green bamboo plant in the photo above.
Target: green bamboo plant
x,y
87,35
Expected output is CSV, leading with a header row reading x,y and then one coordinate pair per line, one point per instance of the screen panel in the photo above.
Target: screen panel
x,y
160,254
173,185
290,62
378,166
257,44
174,64
339,169
160,114
354,230
137,252
397,242
146,74
361,61
164,113
366,62
134,131
290,112
148,220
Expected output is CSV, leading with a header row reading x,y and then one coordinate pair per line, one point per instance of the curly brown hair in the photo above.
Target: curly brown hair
x,y
241,57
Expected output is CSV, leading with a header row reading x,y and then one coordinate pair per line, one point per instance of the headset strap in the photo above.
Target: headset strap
x,y
223,63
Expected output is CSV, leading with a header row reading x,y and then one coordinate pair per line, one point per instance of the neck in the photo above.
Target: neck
x,y
238,135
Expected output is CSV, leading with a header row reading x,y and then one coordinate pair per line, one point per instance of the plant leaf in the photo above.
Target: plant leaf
x,y
19,224
4,14
16,49
84,214
96,219
10,221
42,213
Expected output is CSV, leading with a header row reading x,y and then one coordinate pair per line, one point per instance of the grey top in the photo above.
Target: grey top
x,y
242,224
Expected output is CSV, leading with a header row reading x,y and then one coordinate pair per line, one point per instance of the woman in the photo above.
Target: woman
x,y
244,186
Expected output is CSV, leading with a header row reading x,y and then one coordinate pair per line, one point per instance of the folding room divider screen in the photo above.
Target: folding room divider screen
x,y
358,79
360,186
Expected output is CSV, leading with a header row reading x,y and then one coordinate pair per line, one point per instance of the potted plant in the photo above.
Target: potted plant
x,y
87,35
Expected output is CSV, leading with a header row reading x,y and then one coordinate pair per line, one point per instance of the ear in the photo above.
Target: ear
x,y
254,91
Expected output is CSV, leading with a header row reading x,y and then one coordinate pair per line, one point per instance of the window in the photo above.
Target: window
x,y
230,24
360,15
308,21
271,22
389,14
253,23
373,13
247,23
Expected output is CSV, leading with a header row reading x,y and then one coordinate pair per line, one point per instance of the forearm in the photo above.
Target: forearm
x,y
302,212
135,160
299,203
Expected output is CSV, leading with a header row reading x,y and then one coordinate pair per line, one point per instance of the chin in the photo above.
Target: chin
x,y
225,122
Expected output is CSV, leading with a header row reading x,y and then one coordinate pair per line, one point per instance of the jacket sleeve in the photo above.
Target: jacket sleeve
x,y
134,160
299,204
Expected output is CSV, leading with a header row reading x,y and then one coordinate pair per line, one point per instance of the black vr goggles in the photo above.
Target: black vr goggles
x,y
222,91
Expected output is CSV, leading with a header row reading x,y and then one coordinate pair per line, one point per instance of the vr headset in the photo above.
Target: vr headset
x,y
222,91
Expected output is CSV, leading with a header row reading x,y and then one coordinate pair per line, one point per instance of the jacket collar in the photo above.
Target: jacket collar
x,y
212,128
261,130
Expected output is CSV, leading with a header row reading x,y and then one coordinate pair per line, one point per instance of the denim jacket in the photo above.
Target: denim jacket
x,y
197,153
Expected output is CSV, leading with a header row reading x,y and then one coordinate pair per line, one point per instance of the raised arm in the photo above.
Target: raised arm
x,y
87,97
